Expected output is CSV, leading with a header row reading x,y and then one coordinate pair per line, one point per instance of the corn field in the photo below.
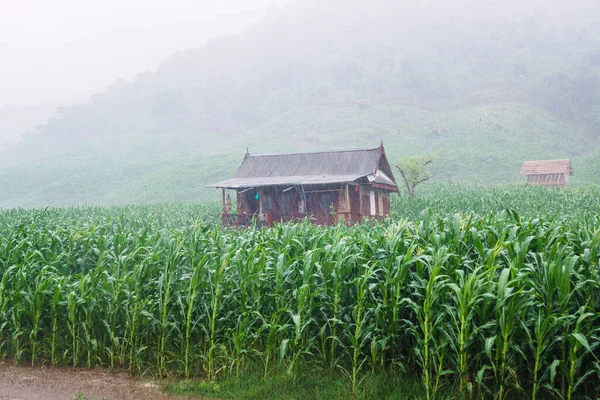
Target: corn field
x,y
485,305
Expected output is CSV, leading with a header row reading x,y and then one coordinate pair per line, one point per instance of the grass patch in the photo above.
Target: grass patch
x,y
309,385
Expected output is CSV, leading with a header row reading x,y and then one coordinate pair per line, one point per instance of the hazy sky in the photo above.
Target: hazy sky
x,y
58,49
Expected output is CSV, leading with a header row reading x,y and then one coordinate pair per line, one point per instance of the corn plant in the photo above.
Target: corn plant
x,y
455,290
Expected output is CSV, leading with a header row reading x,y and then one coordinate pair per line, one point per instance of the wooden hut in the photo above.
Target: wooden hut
x,y
547,172
326,186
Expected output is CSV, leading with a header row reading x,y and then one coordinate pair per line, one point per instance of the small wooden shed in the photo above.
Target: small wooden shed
x,y
326,186
547,172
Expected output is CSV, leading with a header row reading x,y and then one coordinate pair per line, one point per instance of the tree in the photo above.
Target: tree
x,y
414,171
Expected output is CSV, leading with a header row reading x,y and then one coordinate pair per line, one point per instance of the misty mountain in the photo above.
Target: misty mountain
x,y
16,121
308,53
494,82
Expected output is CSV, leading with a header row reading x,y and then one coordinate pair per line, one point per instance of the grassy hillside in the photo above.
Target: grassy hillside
x,y
478,144
483,86
485,143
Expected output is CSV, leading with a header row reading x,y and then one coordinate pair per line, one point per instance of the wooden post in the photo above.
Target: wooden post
x,y
223,216
348,199
260,201
360,203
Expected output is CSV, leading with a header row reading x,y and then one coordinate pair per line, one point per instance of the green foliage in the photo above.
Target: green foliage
x,y
414,171
472,297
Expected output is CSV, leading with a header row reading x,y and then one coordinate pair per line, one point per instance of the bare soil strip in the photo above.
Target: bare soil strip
x,y
53,383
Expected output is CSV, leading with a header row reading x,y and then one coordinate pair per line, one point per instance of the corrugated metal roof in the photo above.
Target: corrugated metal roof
x,y
344,162
240,183
538,167
323,167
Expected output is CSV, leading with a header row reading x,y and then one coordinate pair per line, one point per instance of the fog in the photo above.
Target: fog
x,y
56,49
192,84
59,52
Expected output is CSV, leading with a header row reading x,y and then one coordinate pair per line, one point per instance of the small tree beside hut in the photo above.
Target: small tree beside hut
x,y
414,171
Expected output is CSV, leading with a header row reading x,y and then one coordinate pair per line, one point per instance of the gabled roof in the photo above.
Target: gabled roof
x,y
324,167
541,167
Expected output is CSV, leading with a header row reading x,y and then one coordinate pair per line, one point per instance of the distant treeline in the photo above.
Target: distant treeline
x,y
427,56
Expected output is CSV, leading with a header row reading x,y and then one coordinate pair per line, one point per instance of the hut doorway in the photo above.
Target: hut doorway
x,y
251,198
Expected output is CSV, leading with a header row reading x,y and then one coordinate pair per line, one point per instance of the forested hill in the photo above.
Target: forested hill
x,y
484,85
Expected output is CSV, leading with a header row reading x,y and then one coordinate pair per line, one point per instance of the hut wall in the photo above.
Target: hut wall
x,y
343,205
365,200
321,203
280,204
381,199
355,200
383,203
547,179
386,204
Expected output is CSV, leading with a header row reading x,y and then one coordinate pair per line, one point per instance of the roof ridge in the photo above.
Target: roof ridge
x,y
550,160
315,152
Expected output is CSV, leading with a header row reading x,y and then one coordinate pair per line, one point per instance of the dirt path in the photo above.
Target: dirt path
x,y
51,383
